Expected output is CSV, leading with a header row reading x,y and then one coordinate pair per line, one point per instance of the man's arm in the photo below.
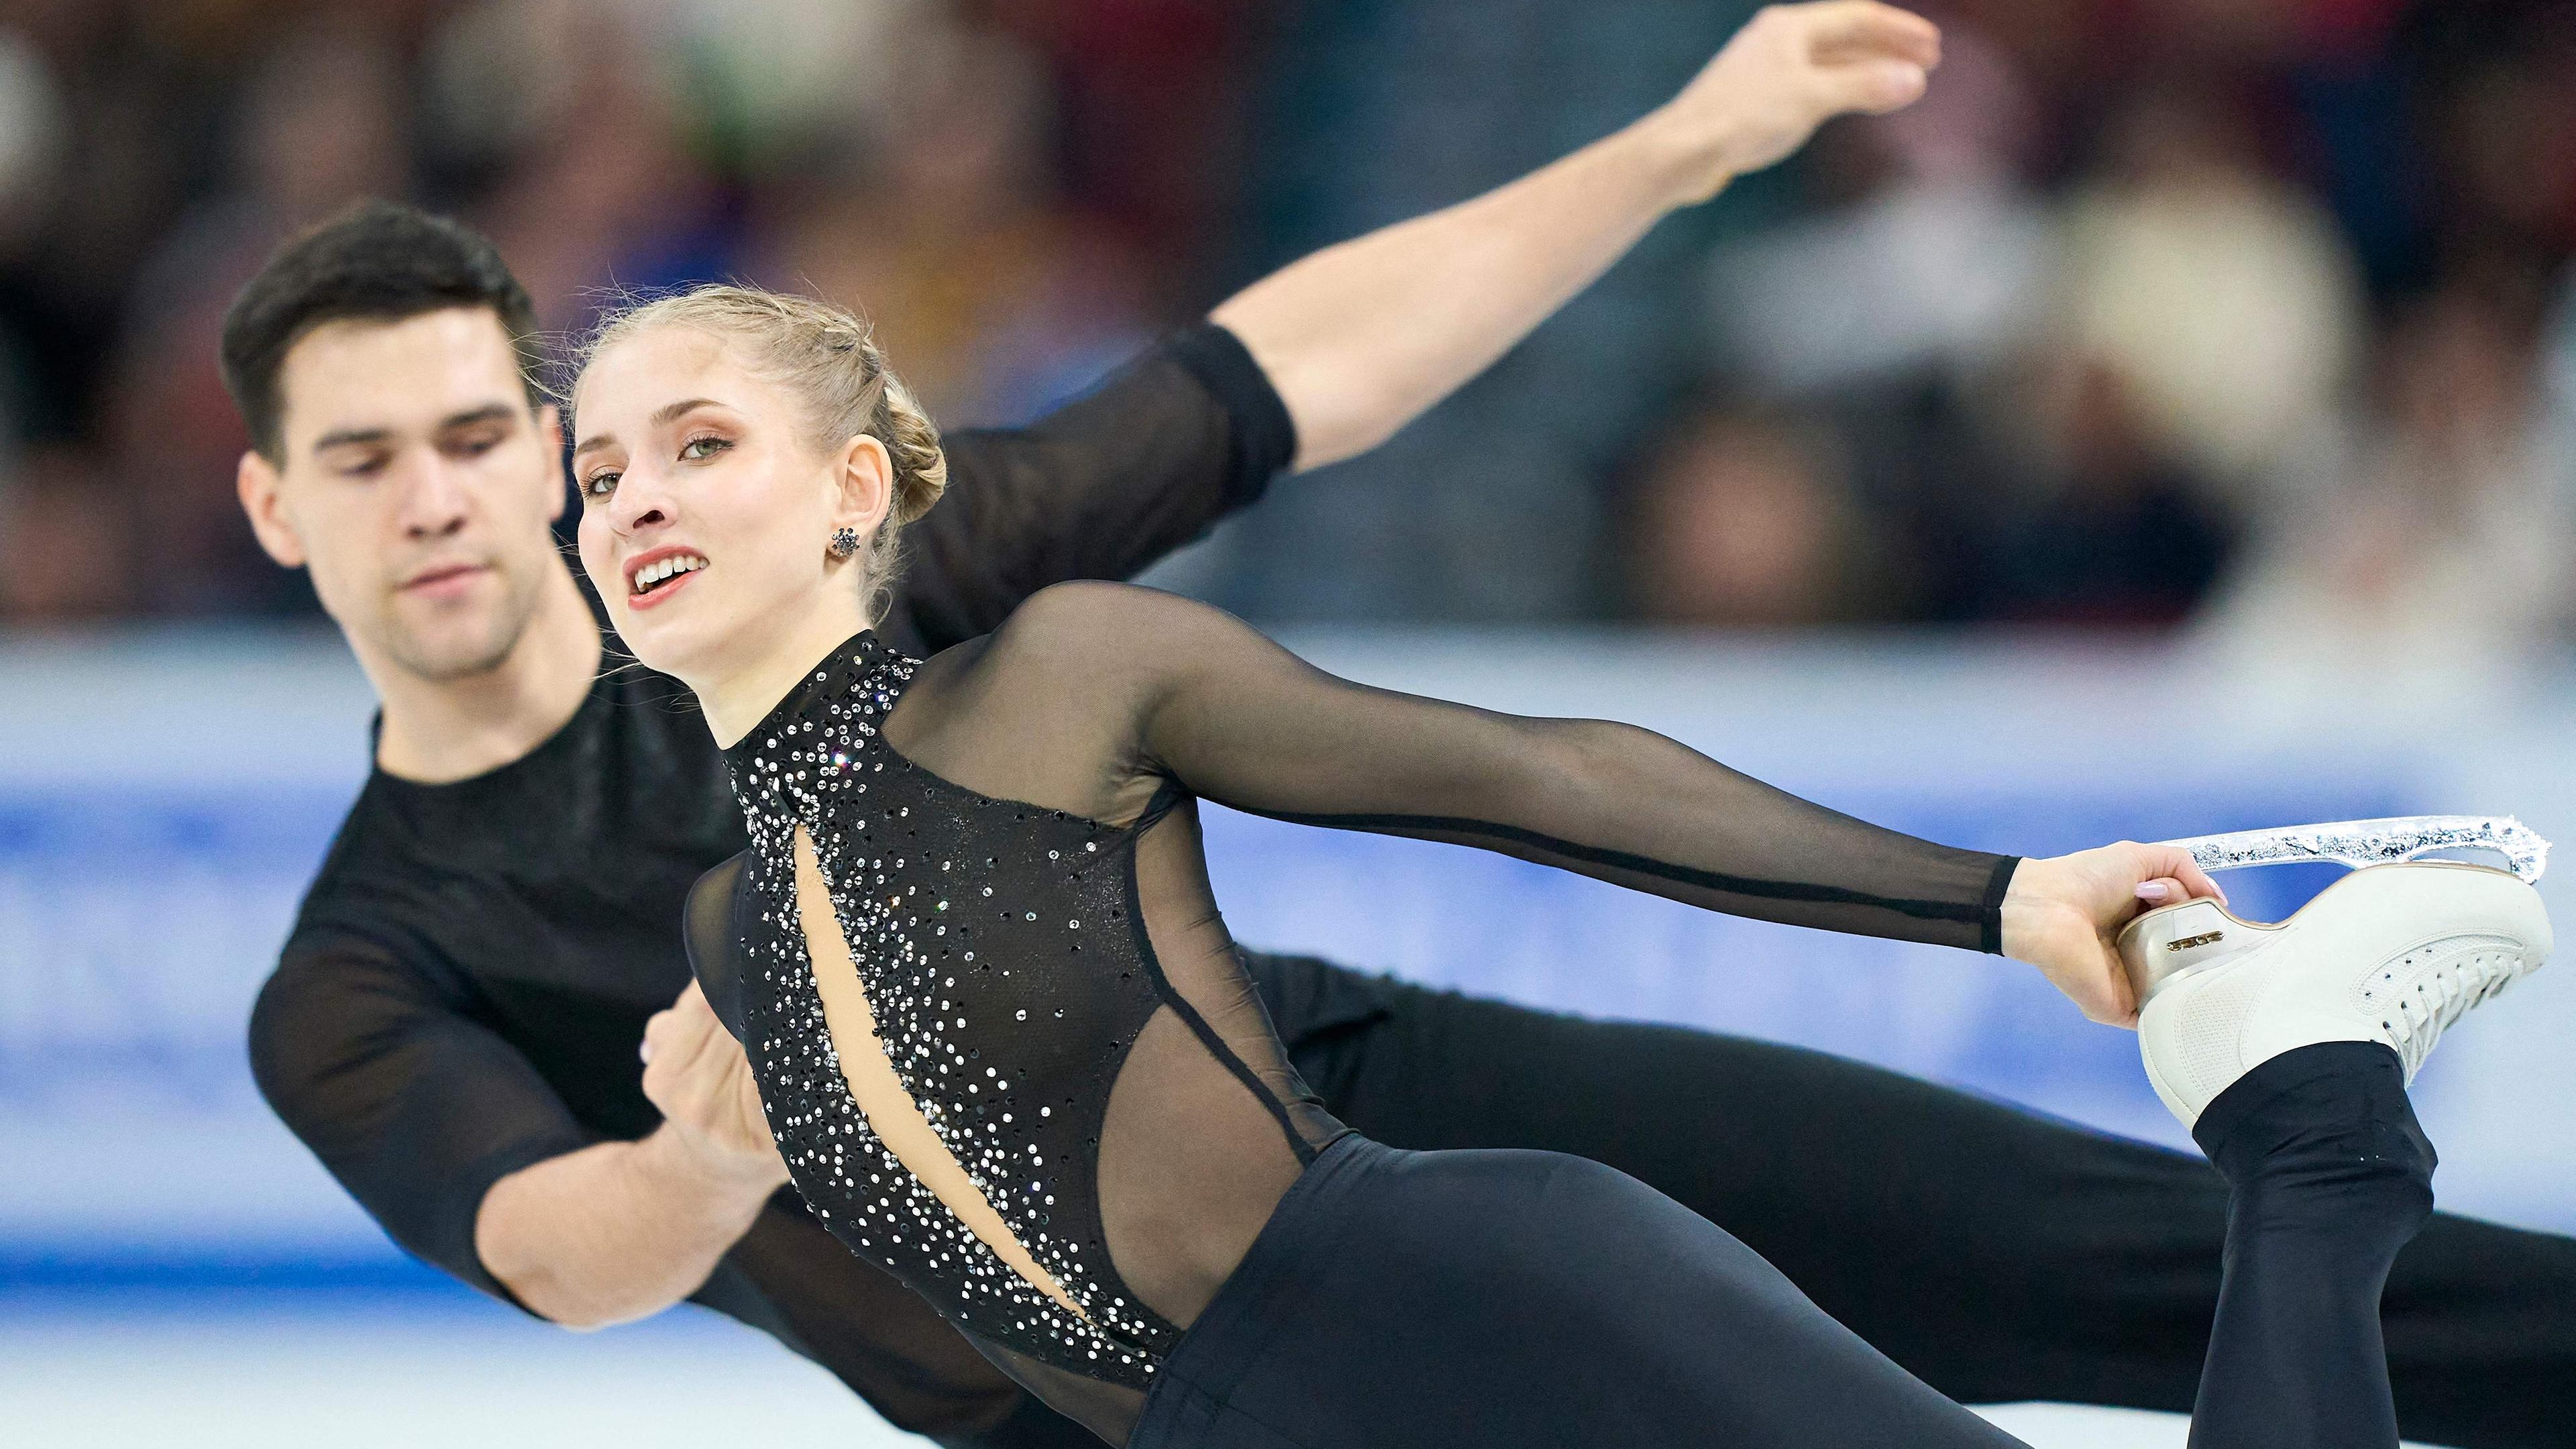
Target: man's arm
x,y
428,1118
450,1139
622,1230
1097,489
1361,338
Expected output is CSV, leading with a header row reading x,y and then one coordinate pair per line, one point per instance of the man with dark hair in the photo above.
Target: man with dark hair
x,y
377,262
454,1025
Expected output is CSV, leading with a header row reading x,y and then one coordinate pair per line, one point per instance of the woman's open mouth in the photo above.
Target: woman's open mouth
x,y
659,574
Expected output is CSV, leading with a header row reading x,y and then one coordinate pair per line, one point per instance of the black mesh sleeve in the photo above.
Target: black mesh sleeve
x,y
714,940
416,1108
1239,720
1099,489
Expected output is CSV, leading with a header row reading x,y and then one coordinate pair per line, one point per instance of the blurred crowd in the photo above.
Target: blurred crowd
x,y
1018,193
2244,318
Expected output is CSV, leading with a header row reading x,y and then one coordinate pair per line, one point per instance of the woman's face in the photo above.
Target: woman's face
x,y
705,514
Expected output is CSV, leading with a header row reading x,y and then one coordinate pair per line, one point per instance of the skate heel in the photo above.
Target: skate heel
x,y
2171,941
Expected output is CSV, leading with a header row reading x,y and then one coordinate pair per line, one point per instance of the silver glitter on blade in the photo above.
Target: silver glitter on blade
x,y
2375,842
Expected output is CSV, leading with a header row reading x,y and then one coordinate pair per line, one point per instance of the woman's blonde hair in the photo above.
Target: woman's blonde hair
x,y
830,359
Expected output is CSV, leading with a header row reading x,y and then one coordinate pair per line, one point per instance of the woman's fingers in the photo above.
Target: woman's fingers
x,y
680,1035
2202,887
657,1030
2164,890
2175,864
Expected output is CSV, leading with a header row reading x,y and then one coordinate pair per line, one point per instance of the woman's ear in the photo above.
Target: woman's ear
x,y
866,480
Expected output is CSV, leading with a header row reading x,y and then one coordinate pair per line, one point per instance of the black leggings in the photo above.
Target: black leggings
x,y
1997,1254
1529,1300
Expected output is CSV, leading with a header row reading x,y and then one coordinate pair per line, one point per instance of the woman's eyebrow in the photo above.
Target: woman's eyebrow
x,y
669,414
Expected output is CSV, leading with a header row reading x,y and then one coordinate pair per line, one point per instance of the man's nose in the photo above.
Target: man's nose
x,y
435,499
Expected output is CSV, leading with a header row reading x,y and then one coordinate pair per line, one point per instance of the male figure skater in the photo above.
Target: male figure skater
x,y
454,1025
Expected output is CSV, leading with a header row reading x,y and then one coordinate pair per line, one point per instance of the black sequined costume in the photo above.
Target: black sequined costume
x,y
1009,840
1008,1021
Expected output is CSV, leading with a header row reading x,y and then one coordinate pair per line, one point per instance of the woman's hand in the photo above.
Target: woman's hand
x,y
697,1075
2063,913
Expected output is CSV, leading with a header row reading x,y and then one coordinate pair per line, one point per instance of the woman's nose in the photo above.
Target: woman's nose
x,y
638,504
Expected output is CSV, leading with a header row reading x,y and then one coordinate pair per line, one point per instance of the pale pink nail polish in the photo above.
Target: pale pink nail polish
x,y
2153,891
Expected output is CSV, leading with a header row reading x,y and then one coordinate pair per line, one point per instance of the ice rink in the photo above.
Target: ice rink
x,y
176,1271
261,1373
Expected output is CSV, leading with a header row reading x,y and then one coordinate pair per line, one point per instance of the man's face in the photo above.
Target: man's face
x,y
417,485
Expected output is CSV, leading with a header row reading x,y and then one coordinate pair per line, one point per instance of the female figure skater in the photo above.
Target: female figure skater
x,y
1007,1051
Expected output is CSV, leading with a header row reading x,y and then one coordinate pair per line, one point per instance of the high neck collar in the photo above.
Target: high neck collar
x,y
857,662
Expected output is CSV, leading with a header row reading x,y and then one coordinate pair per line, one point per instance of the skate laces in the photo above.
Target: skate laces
x,y
2415,1010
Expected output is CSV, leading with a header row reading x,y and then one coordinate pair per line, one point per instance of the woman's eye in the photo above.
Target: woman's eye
x,y
599,484
697,448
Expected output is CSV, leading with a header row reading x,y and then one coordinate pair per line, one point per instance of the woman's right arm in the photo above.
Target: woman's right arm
x,y
1237,719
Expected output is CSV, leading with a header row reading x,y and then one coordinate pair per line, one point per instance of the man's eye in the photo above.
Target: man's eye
x,y
599,484
697,448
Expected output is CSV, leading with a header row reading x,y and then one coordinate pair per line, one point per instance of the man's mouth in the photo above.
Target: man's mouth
x,y
657,573
441,579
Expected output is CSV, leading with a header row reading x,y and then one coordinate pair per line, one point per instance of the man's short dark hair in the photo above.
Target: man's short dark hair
x,y
377,261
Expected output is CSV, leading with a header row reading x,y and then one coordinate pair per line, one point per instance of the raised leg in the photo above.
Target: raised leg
x,y
1998,1254
2329,1176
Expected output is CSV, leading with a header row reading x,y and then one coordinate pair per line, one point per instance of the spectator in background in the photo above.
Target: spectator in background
x,y
2101,201
2111,530
1976,349
321,123
2224,300
61,528
1001,299
32,139
2440,542
70,547
1743,518
1933,262
588,178
1894,316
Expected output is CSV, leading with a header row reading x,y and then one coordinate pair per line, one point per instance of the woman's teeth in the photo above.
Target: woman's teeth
x,y
672,567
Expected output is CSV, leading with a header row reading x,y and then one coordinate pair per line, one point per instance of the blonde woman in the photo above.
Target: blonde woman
x,y
1009,1053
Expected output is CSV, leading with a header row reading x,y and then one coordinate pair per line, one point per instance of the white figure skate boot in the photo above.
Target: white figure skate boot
x,y
2390,953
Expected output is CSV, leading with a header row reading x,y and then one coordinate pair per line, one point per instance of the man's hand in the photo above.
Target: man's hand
x,y
695,1072
1788,71
2063,915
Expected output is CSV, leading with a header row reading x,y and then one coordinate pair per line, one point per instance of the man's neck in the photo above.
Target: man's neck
x,y
435,733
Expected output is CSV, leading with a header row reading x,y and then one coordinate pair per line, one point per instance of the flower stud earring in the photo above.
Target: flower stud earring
x,y
845,542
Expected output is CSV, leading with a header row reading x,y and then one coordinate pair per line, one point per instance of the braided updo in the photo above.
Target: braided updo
x,y
831,360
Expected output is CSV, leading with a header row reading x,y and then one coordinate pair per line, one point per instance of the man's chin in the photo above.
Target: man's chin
x,y
459,645
451,660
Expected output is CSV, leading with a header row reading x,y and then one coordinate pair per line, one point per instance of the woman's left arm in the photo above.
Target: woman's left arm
x,y
1239,720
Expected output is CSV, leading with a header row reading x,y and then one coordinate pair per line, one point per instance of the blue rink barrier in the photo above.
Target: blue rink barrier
x,y
141,906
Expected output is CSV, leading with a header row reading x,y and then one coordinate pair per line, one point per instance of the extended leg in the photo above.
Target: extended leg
x,y
2329,1177
1997,1254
